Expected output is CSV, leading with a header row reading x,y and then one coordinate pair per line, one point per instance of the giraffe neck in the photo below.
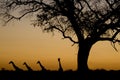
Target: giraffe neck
x,y
27,66
41,66
14,66
60,64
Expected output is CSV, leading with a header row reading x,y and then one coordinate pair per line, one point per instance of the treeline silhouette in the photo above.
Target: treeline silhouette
x,y
60,74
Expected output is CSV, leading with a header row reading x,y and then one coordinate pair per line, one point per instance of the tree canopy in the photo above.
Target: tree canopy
x,y
98,19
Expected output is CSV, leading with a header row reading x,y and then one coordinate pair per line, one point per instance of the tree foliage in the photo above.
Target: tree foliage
x,y
98,19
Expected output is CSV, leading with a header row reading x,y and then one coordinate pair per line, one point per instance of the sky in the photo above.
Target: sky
x,y
21,42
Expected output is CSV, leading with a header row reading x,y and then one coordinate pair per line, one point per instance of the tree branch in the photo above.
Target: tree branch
x,y
109,4
18,18
96,14
113,38
63,33
31,10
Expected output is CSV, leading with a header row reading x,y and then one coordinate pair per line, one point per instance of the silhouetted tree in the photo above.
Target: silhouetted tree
x,y
84,22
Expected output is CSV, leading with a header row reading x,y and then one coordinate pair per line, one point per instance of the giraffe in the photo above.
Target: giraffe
x,y
43,68
28,67
15,67
60,66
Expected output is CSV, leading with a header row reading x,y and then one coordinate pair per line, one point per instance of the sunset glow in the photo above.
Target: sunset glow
x,y
20,41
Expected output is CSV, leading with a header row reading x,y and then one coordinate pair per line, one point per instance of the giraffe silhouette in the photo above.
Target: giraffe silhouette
x,y
43,68
60,66
28,67
15,67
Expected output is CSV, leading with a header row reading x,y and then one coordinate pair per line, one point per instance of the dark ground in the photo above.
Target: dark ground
x,y
55,75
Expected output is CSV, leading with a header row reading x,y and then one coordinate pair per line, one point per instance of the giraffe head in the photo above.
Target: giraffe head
x,y
58,59
38,62
11,62
24,63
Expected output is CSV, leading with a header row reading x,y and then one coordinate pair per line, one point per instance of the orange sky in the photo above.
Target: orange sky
x,y
20,41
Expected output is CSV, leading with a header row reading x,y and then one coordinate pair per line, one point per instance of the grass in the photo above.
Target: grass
x,y
56,75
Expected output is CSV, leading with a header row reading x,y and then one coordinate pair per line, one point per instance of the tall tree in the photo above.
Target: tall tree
x,y
84,22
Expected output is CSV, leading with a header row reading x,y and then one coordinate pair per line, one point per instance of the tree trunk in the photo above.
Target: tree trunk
x,y
83,53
